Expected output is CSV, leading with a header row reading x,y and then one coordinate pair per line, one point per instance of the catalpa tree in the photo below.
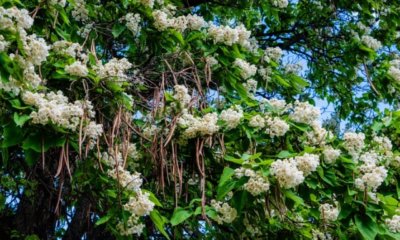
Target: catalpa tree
x,y
196,119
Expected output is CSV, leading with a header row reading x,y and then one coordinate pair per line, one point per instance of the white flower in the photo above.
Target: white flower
x,y
257,121
194,126
247,70
181,95
304,113
80,13
131,227
140,205
35,49
126,179
354,143
133,22
60,3
272,54
371,42
232,116
195,22
115,69
147,3
276,127
328,212
93,130
77,69
287,173
393,223
307,163
280,3
330,154
226,213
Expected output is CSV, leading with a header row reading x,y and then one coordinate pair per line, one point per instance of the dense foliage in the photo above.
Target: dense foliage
x,y
195,119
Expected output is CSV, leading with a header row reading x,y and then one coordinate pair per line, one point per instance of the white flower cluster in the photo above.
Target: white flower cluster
x,y
304,112
280,3
3,44
93,130
147,3
330,154
226,213
35,49
80,13
329,213
279,106
126,179
55,108
60,3
354,143
247,70
15,19
115,69
293,68
181,94
394,69
371,42
232,116
132,226
68,48
372,175
150,131
287,173
229,36
393,223
133,22
307,163
272,54
318,235
250,85
275,126
265,73
256,184
211,61
194,126
77,68
318,135
257,121
163,21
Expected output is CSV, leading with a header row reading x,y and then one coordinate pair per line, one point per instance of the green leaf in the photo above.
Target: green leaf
x,y
12,135
366,226
118,29
103,220
297,200
285,154
234,160
226,175
20,119
153,198
159,221
179,216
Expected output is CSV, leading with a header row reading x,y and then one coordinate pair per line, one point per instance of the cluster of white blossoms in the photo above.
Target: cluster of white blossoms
x,y
287,173
394,69
318,135
265,73
383,145
393,223
293,68
318,235
247,70
250,85
275,126
257,121
132,226
67,48
133,22
272,54
80,13
226,213
35,49
140,205
232,116
279,106
229,36
3,44
77,68
126,179
115,69
60,3
150,131
93,130
330,154
163,21
211,61
304,112
328,212
256,184
354,143
15,19
54,108
307,163
147,3
280,3
181,94
371,174
371,42
194,126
